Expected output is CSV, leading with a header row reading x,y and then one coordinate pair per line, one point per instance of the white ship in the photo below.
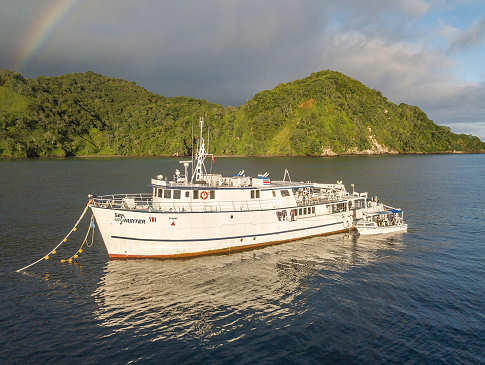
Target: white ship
x,y
201,213
387,221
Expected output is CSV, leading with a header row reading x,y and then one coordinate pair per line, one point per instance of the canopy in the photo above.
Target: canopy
x,y
389,211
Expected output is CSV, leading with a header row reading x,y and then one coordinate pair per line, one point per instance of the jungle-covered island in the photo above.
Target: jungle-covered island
x,y
324,114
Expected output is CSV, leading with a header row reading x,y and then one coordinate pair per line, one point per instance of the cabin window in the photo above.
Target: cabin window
x,y
154,192
285,193
313,210
252,194
196,194
274,194
212,194
304,210
339,207
167,194
359,204
296,211
176,194
160,193
187,194
257,193
301,211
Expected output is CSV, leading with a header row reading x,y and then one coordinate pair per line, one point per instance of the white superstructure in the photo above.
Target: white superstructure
x,y
201,213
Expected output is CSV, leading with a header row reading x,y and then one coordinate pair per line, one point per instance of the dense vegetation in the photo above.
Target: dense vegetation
x,y
325,113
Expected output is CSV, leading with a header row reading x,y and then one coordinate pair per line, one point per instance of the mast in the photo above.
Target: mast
x,y
192,158
200,156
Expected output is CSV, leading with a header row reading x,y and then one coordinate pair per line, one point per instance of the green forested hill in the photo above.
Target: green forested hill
x,y
325,113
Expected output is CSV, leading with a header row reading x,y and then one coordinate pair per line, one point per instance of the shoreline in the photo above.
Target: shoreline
x,y
81,157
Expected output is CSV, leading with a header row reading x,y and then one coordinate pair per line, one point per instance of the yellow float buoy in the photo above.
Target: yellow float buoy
x,y
63,261
74,229
75,256
46,257
65,240
53,252
80,250
70,260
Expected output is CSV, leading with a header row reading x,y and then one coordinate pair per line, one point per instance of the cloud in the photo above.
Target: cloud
x,y
408,73
223,51
227,50
469,38
414,7
463,110
476,129
403,71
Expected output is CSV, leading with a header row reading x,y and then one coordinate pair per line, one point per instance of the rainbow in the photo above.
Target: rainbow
x,y
40,30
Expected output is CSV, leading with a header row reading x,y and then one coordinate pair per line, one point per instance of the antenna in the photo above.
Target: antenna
x,y
192,167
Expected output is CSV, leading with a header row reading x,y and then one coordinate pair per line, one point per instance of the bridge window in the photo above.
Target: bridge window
x,y
285,193
176,194
359,204
167,194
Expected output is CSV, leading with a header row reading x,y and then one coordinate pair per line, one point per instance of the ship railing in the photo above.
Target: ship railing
x,y
316,200
145,202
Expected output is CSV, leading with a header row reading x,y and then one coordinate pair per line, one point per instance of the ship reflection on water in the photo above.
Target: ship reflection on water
x,y
223,298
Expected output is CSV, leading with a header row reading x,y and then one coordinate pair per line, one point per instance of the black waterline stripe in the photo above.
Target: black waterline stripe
x,y
224,238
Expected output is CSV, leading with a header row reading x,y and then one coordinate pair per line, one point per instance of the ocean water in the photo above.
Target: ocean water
x,y
413,298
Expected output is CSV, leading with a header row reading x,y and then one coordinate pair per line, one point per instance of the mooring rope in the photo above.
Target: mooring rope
x,y
64,240
80,249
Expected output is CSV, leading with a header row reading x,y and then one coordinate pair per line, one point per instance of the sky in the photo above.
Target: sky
x,y
429,53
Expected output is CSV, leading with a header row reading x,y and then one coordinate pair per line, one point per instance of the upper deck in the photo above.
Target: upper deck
x,y
180,197
201,191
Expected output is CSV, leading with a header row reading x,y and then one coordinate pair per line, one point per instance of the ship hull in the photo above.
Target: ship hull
x,y
139,234
367,231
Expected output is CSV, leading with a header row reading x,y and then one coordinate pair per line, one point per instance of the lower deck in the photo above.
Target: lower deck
x,y
132,233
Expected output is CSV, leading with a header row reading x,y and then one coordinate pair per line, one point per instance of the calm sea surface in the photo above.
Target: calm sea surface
x,y
414,298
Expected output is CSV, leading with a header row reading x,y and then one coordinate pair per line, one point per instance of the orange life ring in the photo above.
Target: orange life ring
x,y
204,195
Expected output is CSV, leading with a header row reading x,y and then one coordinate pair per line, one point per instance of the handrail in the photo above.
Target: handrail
x,y
144,201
